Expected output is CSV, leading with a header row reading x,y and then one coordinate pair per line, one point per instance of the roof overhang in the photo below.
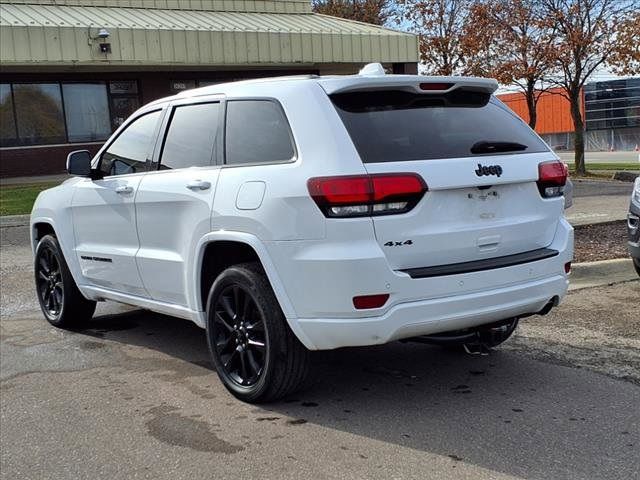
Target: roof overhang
x,y
54,35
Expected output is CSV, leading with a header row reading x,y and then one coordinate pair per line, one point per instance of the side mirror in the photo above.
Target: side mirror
x,y
79,163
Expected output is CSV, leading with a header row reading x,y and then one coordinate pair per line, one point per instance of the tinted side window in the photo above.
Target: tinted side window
x,y
257,132
191,136
129,152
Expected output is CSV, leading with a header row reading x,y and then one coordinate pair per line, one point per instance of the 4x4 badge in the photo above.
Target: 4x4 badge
x,y
398,244
489,170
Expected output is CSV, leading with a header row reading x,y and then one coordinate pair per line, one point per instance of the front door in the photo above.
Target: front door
x,y
103,210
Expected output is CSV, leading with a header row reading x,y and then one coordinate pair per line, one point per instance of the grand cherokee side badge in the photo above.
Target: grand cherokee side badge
x,y
489,170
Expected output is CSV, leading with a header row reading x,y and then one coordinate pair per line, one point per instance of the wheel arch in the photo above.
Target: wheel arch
x,y
39,229
219,250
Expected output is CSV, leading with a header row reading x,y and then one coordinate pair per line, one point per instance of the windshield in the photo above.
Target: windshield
x,y
393,126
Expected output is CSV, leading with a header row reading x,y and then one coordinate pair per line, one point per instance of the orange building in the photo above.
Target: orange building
x,y
554,113
611,110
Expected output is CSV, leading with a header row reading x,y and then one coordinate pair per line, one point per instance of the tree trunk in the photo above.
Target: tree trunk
x,y
578,126
530,95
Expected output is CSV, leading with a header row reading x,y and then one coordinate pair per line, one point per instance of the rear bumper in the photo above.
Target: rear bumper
x,y
434,316
320,279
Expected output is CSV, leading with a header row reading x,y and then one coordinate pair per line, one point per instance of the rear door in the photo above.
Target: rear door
x,y
174,202
480,164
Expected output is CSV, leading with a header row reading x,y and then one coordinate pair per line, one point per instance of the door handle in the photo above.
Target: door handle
x,y
198,185
124,189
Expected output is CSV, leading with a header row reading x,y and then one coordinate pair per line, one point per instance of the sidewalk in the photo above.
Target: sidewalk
x,y
598,209
61,177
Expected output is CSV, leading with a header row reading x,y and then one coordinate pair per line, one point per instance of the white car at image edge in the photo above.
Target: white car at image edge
x,y
307,213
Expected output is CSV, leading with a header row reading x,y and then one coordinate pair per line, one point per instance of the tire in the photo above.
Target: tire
x,y
636,265
60,300
255,353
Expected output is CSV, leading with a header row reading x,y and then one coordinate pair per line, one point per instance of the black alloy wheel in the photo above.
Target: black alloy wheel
x,y
49,282
256,355
240,335
62,304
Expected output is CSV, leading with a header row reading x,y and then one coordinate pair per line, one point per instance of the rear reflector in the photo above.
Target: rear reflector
x,y
370,301
440,87
552,176
365,195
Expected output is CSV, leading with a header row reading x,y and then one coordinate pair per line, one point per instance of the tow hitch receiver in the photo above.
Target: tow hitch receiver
x,y
476,341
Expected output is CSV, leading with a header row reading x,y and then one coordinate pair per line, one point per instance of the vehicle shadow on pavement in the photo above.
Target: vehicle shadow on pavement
x,y
505,412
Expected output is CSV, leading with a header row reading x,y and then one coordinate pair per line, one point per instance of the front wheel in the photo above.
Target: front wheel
x,y
256,355
60,300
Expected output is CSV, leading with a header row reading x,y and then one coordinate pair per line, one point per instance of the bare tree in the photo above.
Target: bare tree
x,y
368,11
587,40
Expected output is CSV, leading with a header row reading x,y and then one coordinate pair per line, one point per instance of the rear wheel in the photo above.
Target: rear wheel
x,y
256,355
60,300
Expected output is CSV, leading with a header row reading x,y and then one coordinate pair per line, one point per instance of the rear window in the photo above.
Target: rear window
x,y
394,126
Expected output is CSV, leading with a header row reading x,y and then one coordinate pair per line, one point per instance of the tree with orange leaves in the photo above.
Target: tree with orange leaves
x,y
625,58
591,34
441,25
518,41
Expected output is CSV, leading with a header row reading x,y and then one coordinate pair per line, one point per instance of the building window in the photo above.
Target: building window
x,y
50,113
38,108
86,110
124,101
8,135
612,104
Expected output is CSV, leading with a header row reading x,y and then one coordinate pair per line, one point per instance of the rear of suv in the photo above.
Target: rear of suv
x,y
311,213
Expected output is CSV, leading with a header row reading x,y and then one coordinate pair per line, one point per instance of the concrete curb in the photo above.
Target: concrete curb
x,y
604,272
14,221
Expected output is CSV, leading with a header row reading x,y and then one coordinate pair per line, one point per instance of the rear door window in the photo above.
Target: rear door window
x,y
191,136
257,131
392,126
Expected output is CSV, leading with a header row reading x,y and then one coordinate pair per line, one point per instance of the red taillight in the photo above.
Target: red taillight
x,y
370,301
567,267
364,195
552,177
436,86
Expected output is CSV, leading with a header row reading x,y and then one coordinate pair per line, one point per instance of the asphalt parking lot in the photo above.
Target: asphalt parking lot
x,y
134,396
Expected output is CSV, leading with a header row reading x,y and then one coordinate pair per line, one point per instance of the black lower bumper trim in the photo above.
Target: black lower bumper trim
x,y
480,265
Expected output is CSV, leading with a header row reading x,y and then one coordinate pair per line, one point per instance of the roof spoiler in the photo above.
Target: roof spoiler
x,y
373,77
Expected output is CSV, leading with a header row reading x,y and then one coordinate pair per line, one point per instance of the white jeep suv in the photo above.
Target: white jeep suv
x,y
293,214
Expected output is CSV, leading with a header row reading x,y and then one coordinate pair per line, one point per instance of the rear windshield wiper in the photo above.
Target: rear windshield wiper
x,y
495,147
